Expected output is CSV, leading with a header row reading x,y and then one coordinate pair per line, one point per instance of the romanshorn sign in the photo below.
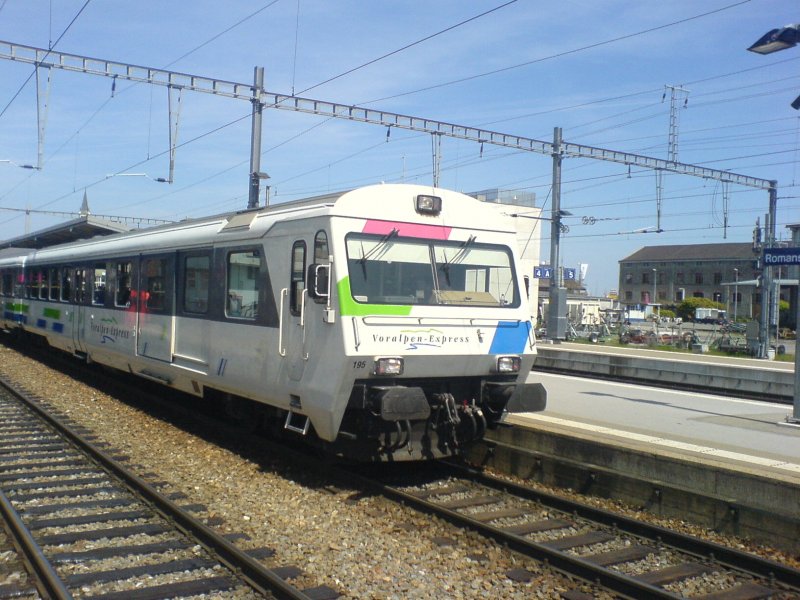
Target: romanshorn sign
x,y
776,257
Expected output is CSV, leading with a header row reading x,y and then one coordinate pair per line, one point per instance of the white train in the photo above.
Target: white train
x,y
388,323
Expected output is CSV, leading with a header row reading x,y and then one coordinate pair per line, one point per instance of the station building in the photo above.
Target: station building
x,y
725,273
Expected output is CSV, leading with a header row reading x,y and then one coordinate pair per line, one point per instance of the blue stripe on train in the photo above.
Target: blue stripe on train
x,y
510,337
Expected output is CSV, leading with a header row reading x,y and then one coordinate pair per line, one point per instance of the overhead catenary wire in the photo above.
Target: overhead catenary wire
x,y
53,45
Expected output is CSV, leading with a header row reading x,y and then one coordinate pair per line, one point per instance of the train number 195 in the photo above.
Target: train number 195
x,y
359,364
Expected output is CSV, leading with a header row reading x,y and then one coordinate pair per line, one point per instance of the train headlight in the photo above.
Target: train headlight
x,y
428,205
388,366
508,364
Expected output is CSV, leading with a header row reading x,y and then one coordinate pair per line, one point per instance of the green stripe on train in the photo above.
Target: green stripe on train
x,y
352,308
51,313
23,308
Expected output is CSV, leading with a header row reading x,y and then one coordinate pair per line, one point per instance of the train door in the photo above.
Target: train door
x,y
192,319
78,301
306,304
155,305
294,315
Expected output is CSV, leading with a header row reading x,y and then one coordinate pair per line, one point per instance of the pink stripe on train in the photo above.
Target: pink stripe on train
x,y
436,232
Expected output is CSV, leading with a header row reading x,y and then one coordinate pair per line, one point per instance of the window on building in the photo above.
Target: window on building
x,y
698,295
717,278
628,295
680,278
628,277
717,297
698,279
644,297
645,277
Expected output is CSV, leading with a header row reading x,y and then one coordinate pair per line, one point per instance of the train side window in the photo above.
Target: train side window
x,y
155,271
80,286
19,286
123,297
66,284
195,284
55,284
298,283
99,284
43,284
241,297
8,283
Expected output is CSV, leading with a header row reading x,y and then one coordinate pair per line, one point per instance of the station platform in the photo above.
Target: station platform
x,y
727,463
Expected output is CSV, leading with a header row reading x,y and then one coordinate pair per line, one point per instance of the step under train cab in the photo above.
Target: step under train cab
x,y
387,323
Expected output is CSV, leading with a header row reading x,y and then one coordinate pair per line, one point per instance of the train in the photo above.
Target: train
x,y
387,323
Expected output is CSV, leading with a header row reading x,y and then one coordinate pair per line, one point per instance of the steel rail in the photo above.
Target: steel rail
x,y
46,580
723,555
256,575
619,583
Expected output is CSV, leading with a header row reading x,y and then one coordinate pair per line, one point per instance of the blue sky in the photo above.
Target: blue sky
x,y
597,69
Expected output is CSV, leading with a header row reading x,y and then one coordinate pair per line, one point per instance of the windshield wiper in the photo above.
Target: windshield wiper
x,y
375,248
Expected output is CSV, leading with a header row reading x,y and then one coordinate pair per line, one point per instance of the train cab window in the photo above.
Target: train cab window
x,y
99,284
123,297
321,252
195,284
55,284
66,284
155,272
298,282
8,283
241,297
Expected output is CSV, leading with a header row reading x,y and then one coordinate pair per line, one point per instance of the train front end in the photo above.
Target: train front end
x,y
435,321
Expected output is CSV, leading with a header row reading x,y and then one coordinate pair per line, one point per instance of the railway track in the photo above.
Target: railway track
x,y
620,555
87,527
617,556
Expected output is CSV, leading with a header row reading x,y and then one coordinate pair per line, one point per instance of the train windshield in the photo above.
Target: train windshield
x,y
388,270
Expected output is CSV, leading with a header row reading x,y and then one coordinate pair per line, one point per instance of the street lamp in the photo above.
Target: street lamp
x,y
735,292
776,40
655,275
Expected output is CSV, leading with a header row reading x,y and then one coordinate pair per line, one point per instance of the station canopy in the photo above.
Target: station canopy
x,y
83,227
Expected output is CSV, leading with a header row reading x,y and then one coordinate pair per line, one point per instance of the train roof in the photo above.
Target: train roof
x,y
387,202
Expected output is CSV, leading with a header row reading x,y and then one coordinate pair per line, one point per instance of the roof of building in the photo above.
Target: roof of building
x,y
83,227
734,250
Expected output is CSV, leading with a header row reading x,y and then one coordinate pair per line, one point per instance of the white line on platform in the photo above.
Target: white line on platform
x,y
649,439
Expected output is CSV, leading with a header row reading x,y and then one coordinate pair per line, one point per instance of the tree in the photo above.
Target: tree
x,y
783,313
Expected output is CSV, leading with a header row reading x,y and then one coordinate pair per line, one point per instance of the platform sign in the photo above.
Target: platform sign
x,y
542,272
569,274
777,257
